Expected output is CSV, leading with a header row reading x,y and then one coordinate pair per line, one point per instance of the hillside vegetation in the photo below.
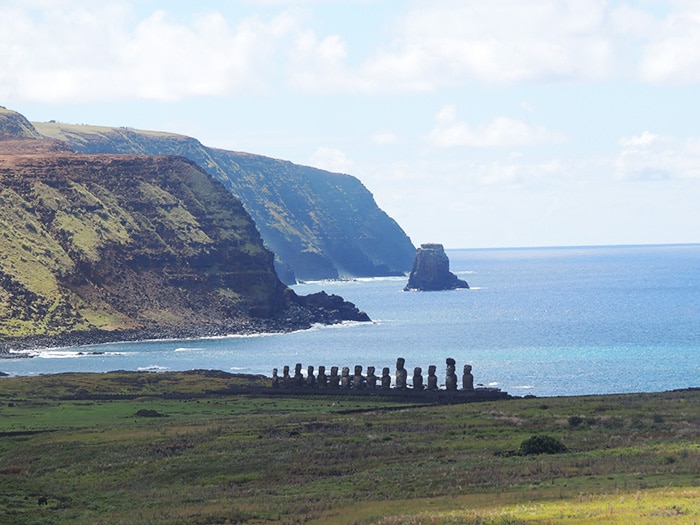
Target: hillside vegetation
x,y
192,448
320,225
115,243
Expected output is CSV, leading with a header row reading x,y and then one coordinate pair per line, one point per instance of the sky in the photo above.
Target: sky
x,y
500,123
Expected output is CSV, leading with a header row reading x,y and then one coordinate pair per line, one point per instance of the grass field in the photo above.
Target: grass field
x,y
74,449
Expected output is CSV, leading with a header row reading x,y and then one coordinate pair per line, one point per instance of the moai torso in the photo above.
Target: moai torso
x,y
401,374
451,377
371,378
334,378
345,378
432,378
386,378
358,380
417,378
468,378
298,377
286,380
310,378
322,379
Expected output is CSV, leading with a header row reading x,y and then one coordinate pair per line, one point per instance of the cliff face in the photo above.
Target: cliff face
x,y
431,271
132,242
320,225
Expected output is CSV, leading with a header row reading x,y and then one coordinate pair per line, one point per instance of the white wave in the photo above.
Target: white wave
x,y
152,368
342,324
188,349
523,387
350,280
239,368
70,354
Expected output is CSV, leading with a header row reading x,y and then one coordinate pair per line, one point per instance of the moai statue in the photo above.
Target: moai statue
x,y
310,377
358,380
286,380
334,378
468,378
386,378
345,381
371,378
298,377
451,378
275,379
432,378
322,379
401,374
417,378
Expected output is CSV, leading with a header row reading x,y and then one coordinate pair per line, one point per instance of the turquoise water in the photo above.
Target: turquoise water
x,y
547,321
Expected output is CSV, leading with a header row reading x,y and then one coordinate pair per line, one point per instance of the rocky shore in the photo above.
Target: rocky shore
x,y
301,313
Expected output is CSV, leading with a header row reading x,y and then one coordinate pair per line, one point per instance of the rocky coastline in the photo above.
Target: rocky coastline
x,y
301,313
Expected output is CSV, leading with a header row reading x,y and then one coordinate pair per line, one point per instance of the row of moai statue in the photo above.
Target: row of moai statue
x,y
358,381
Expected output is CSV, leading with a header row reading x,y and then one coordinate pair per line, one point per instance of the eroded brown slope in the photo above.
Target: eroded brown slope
x,y
129,242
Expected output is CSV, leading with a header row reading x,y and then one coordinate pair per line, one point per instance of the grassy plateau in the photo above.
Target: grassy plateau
x,y
193,448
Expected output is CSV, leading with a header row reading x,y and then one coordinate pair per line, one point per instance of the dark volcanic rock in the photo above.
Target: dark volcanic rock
x,y
431,271
329,308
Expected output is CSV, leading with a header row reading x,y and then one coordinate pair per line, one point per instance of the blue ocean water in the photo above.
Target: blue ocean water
x,y
544,321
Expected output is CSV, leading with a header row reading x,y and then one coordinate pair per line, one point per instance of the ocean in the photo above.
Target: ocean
x,y
540,321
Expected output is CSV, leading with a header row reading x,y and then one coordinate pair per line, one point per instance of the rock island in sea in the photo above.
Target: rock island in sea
x,y
431,270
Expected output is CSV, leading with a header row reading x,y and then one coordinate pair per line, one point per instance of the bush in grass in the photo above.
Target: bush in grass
x,y
541,445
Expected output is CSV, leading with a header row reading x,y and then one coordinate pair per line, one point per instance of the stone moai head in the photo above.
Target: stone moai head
x,y
321,370
467,369
297,368
400,362
334,370
345,372
431,370
285,370
358,370
417,371
370,370
310,370
450,361
385,371
274,372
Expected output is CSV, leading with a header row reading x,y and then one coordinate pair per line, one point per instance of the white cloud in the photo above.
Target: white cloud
x,y
500,41
331,159
673,55
655,157
502,132
76,53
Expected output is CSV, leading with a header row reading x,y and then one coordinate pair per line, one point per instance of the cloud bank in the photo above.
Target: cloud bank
x,y
70,50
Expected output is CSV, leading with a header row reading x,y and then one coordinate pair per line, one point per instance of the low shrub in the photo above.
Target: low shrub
x,y
541,445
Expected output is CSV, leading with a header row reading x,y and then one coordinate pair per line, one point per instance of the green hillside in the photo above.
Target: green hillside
x,y
147,244
319,225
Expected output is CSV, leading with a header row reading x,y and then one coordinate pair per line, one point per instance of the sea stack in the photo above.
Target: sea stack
x,y
431,271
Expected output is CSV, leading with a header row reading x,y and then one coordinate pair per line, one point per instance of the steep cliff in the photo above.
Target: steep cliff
x,y
320,225
148,244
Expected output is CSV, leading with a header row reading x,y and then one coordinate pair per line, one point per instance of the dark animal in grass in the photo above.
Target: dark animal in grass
x,y
42,500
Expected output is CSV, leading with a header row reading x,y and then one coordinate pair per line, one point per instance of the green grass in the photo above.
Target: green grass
x,y
217,457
